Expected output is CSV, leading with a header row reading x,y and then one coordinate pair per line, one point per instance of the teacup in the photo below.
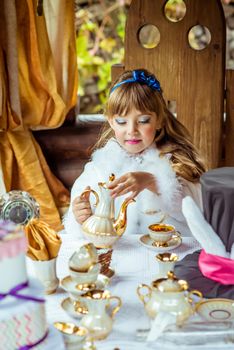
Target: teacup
x,y
166,262
45,272
74,289
85,277
160,232
83,258
72,333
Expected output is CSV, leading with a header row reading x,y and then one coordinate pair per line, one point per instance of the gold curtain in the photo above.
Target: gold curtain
x,y
38,86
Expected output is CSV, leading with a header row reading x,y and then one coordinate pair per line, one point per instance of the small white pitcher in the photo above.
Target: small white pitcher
x,y
98,321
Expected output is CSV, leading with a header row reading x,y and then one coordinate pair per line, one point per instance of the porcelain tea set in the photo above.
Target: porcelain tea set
x,y
88,300
103,230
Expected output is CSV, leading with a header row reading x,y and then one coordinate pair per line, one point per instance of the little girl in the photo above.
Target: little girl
x,y
150,153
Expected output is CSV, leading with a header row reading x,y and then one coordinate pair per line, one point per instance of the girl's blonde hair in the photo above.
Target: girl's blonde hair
x,y
171,138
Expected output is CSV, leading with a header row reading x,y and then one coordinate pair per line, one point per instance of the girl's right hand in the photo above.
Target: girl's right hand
x,y
81,207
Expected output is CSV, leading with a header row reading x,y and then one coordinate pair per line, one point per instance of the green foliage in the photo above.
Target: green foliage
x,y
99,46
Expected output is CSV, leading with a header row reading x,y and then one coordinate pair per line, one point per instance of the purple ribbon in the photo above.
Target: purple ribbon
x,y
27,347
14,293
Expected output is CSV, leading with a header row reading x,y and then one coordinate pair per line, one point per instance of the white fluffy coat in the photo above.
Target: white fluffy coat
x,y
112,158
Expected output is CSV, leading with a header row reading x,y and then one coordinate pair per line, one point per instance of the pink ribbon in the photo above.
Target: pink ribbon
x,y
216,268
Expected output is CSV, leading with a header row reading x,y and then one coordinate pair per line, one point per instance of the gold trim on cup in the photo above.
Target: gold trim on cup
x,y
97,294
85,287
70,329
78,307
167,257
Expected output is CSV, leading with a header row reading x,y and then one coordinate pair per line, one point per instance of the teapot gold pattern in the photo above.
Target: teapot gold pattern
x,y
102,229
168,295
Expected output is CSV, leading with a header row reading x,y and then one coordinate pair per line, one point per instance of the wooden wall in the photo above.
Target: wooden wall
x,y
193,78
67,149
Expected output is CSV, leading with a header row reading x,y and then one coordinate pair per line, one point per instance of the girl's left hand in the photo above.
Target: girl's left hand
x,y
134,182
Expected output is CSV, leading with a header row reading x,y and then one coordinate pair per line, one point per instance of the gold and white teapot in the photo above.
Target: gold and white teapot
x,y
102,229
168,295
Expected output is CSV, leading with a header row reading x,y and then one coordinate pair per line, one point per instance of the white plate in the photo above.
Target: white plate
x,y
173,243
68,306
217,309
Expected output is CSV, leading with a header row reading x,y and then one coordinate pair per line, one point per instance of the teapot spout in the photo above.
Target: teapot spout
x,y
121,222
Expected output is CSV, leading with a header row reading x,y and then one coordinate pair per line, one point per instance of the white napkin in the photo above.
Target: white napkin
x,y
159,324
202,230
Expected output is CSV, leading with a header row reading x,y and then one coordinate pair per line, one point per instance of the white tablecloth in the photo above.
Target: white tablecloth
x,y
133,264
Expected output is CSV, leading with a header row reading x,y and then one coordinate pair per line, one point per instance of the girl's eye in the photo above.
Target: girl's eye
x,y
120,121
144,120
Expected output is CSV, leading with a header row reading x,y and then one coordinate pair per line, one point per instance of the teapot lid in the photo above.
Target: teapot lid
x,y
170,284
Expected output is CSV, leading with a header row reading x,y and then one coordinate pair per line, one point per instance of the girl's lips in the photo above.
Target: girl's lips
x,y
133,142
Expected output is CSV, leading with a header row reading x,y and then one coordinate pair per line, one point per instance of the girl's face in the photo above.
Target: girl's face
x,y
135,131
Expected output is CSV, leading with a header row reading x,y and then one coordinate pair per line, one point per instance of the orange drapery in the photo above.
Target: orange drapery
x,y
38,86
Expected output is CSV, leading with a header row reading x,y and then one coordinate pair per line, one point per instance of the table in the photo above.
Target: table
x,y
134,264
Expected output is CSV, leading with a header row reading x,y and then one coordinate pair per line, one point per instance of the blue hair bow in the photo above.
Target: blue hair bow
x,y
139,76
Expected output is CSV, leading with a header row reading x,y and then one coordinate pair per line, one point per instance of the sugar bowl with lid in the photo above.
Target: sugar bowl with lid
x,y
169,295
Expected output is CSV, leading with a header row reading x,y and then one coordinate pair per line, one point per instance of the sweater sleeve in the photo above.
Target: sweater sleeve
x,y
89,177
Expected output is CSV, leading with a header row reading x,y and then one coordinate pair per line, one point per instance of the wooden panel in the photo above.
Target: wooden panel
x,y
229,128
67,149
116,70
194,79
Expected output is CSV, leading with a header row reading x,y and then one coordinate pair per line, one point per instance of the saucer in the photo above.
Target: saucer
x,y
173,243
73,287
68,305
217,309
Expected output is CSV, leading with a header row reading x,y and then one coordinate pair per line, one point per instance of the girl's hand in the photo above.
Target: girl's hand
x,y
81,207
134,182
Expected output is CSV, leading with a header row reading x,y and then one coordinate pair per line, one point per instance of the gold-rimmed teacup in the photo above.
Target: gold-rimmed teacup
x,y
72,333
85,277
75,290
161,233
74,308
83,258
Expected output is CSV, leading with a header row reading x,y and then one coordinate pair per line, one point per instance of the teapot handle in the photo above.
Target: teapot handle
x,y
143,296
117,307
91,191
